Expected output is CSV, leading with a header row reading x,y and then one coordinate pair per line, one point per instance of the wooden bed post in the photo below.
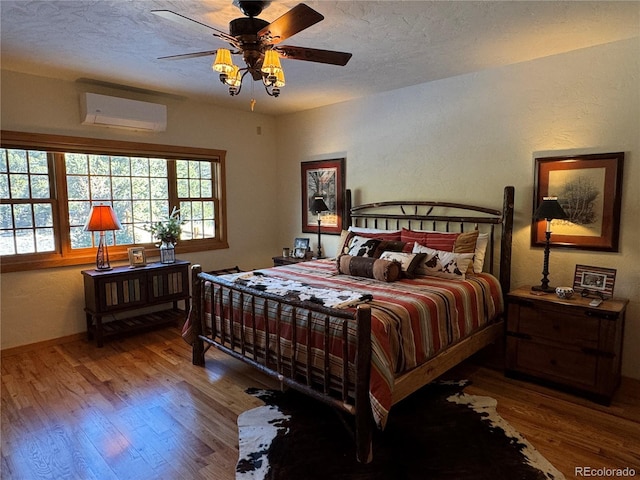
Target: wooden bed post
x,y
507,234
364,416
197,316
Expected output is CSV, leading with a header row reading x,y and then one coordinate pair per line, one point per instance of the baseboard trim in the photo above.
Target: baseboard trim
x,y
6,352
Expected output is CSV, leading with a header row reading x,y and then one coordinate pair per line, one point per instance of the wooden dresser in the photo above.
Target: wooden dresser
x,y
126,293
566,343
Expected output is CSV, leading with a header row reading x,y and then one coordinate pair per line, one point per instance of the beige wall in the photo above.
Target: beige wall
x,y
458,139
47,304
465,138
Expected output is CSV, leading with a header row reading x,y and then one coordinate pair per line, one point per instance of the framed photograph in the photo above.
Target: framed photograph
x,y
589,189
594,281
300,247
323,178
137,258
301,243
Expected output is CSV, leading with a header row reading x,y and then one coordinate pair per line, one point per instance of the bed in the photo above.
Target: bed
x,y
417,288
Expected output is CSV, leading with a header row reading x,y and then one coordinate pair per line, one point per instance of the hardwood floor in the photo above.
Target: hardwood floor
x,y
137,409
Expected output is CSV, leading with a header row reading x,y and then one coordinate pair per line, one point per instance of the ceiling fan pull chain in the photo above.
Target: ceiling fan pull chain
x,y
253,98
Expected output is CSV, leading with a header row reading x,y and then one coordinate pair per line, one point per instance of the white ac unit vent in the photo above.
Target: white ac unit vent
x,y
106,111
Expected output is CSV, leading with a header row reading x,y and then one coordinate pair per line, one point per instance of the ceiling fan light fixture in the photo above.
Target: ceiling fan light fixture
x,y
271,63
259,44
223,62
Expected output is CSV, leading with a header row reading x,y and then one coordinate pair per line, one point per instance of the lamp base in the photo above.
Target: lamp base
x,y
542,288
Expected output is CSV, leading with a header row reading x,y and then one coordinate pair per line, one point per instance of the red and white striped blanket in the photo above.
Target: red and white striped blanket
x,y
412,319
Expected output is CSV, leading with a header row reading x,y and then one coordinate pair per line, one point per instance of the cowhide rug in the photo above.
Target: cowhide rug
x,y
436,433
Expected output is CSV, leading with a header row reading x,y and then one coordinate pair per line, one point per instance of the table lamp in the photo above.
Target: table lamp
x,y
101,219
548,210
318,206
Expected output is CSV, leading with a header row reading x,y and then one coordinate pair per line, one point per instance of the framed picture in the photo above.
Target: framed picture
x,y
589,189
137,257
323,178
594,281
301,243
300,247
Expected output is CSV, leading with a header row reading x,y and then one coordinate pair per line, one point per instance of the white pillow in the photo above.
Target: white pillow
x,y
481,250
439,263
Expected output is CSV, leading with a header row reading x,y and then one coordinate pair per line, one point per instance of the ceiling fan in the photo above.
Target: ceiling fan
x,y
258,41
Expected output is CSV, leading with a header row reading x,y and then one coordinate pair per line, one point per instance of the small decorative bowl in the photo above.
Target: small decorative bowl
x,y
564,292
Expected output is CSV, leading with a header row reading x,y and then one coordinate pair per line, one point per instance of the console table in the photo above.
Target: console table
x,y
125,290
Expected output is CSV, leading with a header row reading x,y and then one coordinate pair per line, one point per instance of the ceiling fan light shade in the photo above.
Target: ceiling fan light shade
x,y
233,77
271,63
223,62
279,79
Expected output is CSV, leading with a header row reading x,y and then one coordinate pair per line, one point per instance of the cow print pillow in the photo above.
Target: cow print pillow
x,y
439,263
362,246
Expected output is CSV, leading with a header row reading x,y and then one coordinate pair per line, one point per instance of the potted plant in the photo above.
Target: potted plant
x,y
168,232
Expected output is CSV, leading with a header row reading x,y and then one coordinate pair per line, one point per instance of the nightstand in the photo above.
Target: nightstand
x,y
287,260
566,343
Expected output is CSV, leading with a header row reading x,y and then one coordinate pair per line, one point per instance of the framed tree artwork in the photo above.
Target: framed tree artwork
x,y
589,189
323,178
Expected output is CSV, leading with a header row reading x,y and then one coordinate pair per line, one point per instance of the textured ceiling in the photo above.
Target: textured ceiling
x,y
394,43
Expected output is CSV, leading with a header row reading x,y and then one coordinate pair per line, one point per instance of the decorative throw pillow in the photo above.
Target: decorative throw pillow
x,y
437,240
347,235
392,246
382,270
358,246
408,261
439,263
465,242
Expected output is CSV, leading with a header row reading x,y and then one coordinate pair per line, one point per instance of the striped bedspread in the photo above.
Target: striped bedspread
x,y
412,320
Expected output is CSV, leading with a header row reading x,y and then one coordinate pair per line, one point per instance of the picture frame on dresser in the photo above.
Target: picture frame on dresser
x,y
594,281
589,189
326,179
137,257
300,247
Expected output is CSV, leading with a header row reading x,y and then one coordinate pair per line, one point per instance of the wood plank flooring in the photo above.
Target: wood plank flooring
x,y
137,409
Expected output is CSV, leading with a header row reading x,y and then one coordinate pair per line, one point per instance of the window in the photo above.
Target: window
x,y
49,183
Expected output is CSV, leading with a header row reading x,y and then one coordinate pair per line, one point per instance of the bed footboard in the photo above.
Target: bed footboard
x,y
303,346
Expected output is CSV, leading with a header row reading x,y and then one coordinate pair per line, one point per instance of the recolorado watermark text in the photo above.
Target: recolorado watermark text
x,y
604,472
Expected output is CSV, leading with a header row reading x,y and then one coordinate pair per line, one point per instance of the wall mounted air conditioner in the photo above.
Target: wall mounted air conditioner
x,y
106,111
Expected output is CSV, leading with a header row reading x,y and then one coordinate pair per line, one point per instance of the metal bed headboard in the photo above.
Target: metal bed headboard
x,y
444,217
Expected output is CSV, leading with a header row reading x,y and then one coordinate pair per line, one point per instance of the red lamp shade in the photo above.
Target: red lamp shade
x,y
101,218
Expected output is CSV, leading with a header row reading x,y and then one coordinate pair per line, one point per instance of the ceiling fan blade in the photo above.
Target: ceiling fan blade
x,y
313,55
295,20
188,55
194,24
